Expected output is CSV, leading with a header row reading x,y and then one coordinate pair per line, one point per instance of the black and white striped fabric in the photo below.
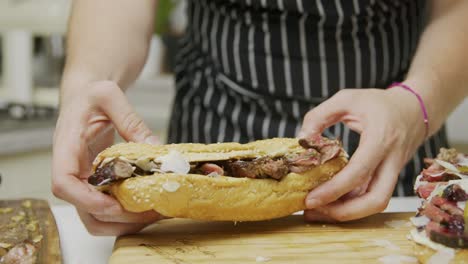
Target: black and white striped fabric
x,y
251,69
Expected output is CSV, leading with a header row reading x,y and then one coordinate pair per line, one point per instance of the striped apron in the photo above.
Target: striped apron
x,y
251,69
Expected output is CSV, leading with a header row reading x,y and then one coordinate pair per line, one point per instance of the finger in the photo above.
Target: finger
x,y
68,154
84,196
147,217
70,157
324,115
98,228
100,142
127,122
316,216
375,200
362,164
358,191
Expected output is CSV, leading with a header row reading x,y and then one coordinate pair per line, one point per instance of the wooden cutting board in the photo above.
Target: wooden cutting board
x,y
286,240
30,220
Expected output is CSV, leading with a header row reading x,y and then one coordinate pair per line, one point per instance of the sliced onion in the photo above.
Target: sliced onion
x,y
437,174
443,256
447,165
420,220
418,182
397,259
397,223
105,161
262,259
175,162
171,186
451,168
385,243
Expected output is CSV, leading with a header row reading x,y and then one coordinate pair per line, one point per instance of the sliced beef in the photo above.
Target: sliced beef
x,y
433,175
435,213
328,148
448,206
208,168
313,142
443,235
446,213
317,142
304,161
455,193
258,168
276,169
114,170
437,173
329,152
317,150
425,190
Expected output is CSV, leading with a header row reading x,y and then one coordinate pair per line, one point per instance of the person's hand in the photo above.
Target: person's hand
x,y
84,128
391,127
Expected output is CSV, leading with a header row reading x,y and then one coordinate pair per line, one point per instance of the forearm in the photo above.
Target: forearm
x,y
438,70
107,40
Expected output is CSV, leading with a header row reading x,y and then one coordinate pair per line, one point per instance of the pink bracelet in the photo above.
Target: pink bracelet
x,y
421,102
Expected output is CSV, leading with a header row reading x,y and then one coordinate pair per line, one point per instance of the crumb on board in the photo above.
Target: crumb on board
x,y
262,259
397,223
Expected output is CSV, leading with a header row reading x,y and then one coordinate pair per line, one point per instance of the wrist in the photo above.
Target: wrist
x,y
407,106
429,91
421,103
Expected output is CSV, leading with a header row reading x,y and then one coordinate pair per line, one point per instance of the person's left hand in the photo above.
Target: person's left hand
x,y
391,127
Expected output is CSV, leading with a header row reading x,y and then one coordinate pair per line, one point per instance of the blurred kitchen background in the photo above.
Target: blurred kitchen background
x,y
32,55
31,59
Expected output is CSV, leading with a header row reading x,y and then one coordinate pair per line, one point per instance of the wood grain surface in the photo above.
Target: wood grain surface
x,y
285,240
32,221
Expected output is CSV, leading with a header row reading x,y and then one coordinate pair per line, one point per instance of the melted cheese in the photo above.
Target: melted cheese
x,y
418,182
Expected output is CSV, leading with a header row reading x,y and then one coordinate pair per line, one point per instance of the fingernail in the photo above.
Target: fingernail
x,y
152,140
112,210
312,203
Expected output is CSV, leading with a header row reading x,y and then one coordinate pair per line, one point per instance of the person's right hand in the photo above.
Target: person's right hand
x,y
84,128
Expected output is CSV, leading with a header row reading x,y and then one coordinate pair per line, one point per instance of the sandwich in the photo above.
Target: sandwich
x,y
260,180
441,229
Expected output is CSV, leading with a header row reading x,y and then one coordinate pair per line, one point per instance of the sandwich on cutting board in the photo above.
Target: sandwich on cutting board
x,y
260,180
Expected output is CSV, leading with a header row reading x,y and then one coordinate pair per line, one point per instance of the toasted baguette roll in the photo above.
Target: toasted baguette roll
x,y
217,198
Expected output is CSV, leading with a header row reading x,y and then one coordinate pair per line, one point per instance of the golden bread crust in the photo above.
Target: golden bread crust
x,y
222,198
217,198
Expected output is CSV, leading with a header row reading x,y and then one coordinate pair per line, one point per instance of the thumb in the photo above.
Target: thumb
x,y
128,123
323,116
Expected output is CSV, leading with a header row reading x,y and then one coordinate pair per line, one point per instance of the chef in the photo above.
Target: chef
x,y
382,75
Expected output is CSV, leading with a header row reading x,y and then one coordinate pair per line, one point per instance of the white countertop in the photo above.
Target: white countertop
x,y
79,247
